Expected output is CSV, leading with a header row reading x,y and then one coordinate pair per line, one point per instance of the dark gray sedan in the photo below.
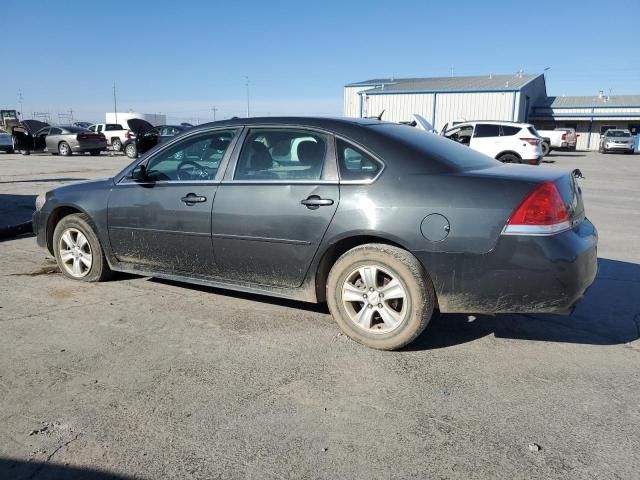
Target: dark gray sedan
x,y
382,221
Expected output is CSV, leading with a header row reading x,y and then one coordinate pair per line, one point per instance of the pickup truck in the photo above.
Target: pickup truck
x,y
558,138
116,135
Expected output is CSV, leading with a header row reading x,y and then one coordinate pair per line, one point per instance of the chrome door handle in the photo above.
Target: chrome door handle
x,y
314,201
192,198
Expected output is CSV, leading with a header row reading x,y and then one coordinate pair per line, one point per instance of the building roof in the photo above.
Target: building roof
x,y
448,84
590,101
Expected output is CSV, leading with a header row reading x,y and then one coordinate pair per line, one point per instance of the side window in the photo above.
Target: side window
x,y
99,128
486,130
508,131
460,134
354,164
53,131
282,154
194,158
92,128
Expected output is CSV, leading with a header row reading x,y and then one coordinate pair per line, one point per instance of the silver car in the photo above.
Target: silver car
x,y
6,144
619,140
63,140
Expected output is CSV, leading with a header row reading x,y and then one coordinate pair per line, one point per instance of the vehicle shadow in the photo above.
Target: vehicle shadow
x,y
19,470
15,214
609,314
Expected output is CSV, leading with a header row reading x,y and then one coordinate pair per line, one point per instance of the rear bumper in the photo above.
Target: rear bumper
x,y
523,274
85,146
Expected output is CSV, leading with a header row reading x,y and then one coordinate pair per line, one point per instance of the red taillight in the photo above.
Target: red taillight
x,y
542,212
127,134
101,136
531,141
564,136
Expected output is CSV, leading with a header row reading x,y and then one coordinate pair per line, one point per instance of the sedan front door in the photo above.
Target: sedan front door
x,y
274,206
160,216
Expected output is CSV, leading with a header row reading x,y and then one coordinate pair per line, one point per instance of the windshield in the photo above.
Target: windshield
x,y
618,133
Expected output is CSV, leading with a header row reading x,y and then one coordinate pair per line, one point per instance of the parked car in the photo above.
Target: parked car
x,y
6,143
147,136
508,142
617,140
114,132
59,139
559,138
380,220
82,124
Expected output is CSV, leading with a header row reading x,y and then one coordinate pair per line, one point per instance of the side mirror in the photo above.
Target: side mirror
x,y
138,173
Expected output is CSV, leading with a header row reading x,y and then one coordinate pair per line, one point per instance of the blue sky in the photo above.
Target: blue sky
x,y
183,58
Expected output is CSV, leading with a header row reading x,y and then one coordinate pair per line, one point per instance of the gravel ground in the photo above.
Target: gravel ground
x,y
149,379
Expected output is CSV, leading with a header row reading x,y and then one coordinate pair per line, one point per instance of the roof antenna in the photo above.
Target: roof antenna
x,y
379,117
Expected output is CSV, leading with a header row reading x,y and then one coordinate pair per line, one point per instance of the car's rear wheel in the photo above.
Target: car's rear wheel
x,y
78,251
380,296
546,148
116,144
64,149
509,158
131,151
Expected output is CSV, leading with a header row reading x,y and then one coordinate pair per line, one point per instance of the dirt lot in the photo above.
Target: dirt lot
x,y
150,379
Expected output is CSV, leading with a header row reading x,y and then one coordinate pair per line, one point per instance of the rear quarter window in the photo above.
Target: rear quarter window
x,y
447,153
508,131
355,164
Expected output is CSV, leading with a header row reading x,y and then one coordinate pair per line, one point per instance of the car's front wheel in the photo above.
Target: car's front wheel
x,y
78,251
509,158
380,296
116,144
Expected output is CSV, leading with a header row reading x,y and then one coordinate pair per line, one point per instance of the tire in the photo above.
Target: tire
x,y
509,158
546,148
410,313
26,152
116,144
64,149
10,151
94,152
65,235
131,151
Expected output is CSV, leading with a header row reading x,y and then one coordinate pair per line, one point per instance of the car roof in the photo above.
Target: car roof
x,y
494,122
320,122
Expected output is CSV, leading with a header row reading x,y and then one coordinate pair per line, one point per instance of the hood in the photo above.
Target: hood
x,y
139,126
32,126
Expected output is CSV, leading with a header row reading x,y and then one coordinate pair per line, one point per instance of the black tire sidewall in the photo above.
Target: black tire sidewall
x,y
99,268
420,297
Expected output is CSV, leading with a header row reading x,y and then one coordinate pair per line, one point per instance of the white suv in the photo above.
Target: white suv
x,y
508,142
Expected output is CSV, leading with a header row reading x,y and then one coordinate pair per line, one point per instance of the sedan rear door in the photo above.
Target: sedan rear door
x,y
273,208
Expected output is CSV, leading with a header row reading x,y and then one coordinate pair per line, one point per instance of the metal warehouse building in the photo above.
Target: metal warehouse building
x,y
518,97
590,116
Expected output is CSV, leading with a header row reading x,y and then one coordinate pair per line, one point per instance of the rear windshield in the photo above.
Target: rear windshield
x,y
113,126
74,129
618,133
533,131
437,147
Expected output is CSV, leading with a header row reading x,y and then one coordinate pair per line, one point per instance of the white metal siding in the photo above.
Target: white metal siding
x,y
399,107
352,101
452,107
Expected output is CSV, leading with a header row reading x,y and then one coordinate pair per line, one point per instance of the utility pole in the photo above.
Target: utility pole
x,y
115,105
71,115
214,110
246,77
20,102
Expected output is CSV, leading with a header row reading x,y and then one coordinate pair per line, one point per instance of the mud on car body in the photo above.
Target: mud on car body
x,y
382,221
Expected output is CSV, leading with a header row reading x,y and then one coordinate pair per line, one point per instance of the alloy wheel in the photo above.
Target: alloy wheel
x,y
75,252
374,299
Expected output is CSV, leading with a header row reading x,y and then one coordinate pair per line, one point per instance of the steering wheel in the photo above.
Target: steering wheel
x,y
198,173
